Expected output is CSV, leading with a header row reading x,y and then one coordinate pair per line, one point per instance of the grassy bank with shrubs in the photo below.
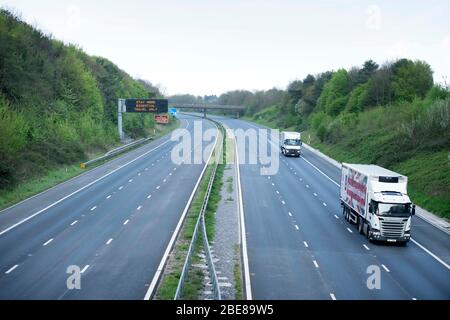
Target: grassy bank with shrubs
x,y
58,105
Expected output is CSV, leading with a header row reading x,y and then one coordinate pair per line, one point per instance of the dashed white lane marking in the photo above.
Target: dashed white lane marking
x,y
273,184
165,180
295,173
73,223
146,169
174,169
131,180
306,244
290,214
126,222
278,192
349,230
48,242
149,196
121,187
109,241
84,269
324,204
11,269
93,208
296,227
367,248
282,201
139,208
108,197
315,194
157,188
170,173
307,186
316,264
301,179
153,164
139,174
333,297
385,268
336,216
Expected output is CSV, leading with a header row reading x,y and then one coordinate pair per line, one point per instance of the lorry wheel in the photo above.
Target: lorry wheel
x,y
360,225
368,234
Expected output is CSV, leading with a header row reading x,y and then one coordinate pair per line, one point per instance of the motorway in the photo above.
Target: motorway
x,y
300,246
114,223
117,221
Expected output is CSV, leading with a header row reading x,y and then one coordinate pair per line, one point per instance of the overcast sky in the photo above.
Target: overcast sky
x,y
209,47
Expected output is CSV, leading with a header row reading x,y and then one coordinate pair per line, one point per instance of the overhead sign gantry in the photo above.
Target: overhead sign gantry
x,y
140,106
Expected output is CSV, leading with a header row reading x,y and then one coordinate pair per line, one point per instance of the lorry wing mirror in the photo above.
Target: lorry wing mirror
x,y
413,210
301,143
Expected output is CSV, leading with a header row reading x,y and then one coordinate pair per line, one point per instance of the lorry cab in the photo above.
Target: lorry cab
x,y
290,143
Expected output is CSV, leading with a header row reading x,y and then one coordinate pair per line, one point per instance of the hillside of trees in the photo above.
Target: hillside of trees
x,y
391,115
57,104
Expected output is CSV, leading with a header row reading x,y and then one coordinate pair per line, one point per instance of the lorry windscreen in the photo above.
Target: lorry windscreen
x,y
292,142
393,209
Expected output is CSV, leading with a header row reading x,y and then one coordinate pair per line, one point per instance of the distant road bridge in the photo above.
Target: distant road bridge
x,y
211,107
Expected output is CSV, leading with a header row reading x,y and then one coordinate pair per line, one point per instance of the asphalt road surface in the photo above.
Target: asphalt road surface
x,y
113,223
301,247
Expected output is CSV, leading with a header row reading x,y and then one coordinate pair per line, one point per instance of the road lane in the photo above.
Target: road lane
x,y
120,269
307,192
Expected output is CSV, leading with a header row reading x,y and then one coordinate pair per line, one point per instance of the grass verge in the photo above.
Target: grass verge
x,y
58,175
175,263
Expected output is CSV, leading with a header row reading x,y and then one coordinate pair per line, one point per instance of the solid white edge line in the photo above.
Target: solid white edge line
x,y
430,253
80,189
11,269
162,263
248,287
337,184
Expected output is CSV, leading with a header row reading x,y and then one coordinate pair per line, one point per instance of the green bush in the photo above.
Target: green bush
x,y
57,104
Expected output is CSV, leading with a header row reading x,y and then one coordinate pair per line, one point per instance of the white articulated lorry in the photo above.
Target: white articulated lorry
x,y
290,143
376,200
